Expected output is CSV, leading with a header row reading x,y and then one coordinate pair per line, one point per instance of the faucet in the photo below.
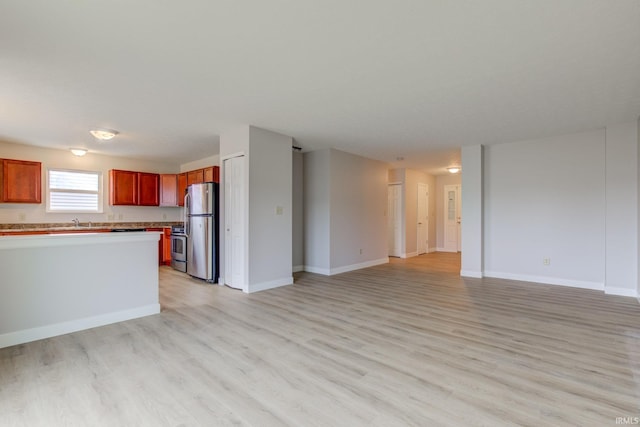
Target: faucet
x,y
76,222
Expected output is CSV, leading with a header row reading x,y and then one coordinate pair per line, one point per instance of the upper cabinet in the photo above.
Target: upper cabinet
x,y
148,189
211,174
20,181
133,188
195,177
169,189
182,188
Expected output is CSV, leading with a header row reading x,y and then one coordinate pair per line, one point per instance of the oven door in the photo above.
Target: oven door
x,y
179,252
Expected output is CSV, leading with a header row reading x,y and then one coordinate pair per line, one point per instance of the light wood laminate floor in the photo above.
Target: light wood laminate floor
x,y
407,343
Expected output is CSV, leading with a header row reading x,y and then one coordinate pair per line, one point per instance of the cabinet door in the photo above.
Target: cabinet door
x,y
123,187
166,257
208,174
182,188
216,174
20,181
148,189
195,177
168,190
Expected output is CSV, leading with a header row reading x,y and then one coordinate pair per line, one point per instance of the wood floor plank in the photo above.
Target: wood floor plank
x,y
406,343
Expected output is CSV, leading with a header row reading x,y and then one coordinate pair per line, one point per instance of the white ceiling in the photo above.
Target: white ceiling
x,y
416,79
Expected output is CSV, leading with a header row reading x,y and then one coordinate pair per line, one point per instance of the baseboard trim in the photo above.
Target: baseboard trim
x,y
48,331
433,250
317,270
623,292
271,284
546,280
410,254
471,273
358,266
297,268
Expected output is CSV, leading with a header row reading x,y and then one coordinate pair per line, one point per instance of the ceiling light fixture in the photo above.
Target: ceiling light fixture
x,y
453,169
103,134
78,152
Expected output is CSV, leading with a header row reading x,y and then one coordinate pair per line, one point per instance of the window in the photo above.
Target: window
x,y
74,191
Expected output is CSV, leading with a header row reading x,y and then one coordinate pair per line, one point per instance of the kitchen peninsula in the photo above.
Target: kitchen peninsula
x,y
53,284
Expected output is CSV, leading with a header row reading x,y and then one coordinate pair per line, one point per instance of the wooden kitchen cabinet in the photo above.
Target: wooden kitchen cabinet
x,y
123,187
169,189
148,189
182,187
20,181
133,188
195,177
212,174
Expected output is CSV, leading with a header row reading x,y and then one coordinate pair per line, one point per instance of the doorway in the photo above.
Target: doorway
x,y
394,220
452,218
423,219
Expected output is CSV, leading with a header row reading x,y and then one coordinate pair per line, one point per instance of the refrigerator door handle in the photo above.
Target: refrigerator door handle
x,y
186,211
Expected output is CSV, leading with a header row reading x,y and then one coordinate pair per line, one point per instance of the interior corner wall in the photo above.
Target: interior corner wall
x,y
297,260
471,228
621,267
546,199
441,181
316,211
358,202
270,209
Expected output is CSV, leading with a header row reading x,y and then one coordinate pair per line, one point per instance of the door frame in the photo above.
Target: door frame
x,y
399,238
423,191
458,218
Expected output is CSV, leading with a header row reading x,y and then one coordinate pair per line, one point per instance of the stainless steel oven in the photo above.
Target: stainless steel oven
x,y
178,248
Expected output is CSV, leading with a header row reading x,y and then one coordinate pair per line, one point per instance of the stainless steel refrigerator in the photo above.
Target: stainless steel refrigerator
x,y
201,228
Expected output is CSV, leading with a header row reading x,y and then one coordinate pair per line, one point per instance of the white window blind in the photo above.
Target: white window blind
x,y
74,191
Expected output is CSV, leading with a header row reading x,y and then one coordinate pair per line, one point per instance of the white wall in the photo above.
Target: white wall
x,y
546,198
298,211
317,193
472,226
268,190
621,208
358,211
51,158
441,181
200,164
345,211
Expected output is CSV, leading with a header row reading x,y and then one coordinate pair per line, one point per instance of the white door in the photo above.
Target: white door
x,y
234,219
394,209
452,218
423,219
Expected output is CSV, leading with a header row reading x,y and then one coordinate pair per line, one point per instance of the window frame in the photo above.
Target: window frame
x,y
100,191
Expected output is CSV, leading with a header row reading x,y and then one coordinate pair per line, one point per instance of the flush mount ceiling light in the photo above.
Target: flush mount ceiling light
x,y
453,169
78,152
103,134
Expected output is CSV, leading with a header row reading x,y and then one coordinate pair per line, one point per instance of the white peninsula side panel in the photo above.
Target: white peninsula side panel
x,y
61,283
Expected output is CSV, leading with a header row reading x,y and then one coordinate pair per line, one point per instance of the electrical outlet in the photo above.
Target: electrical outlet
x,y
360,251
119,216
22,216
546,261
110,217
279,210
164,216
